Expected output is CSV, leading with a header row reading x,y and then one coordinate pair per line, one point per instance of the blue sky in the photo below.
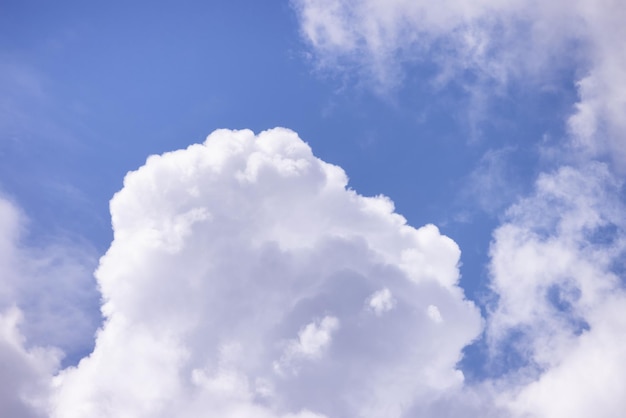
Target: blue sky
x,y
499,124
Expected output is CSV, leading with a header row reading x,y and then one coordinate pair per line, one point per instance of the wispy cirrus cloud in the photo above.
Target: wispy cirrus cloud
x,y
530,42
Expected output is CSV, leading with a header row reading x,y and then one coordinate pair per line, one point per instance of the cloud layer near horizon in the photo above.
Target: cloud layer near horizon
x,y
245,279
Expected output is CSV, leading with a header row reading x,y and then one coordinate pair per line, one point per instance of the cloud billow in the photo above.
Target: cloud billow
x,y
246,279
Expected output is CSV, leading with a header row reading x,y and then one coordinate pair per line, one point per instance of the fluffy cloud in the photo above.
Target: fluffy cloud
x,y
25,380
45,294
51,282
382,301
561,302
245,279
598,124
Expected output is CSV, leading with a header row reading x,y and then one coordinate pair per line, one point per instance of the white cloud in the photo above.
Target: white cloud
x,y
434,313
47,311
560,296
311,343
382,301
50,282
477,34
25,378
315,337
245,251
496,41
380,36
47,298
598,124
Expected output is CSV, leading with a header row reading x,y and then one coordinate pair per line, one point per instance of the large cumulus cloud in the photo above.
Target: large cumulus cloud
x,y
246,279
